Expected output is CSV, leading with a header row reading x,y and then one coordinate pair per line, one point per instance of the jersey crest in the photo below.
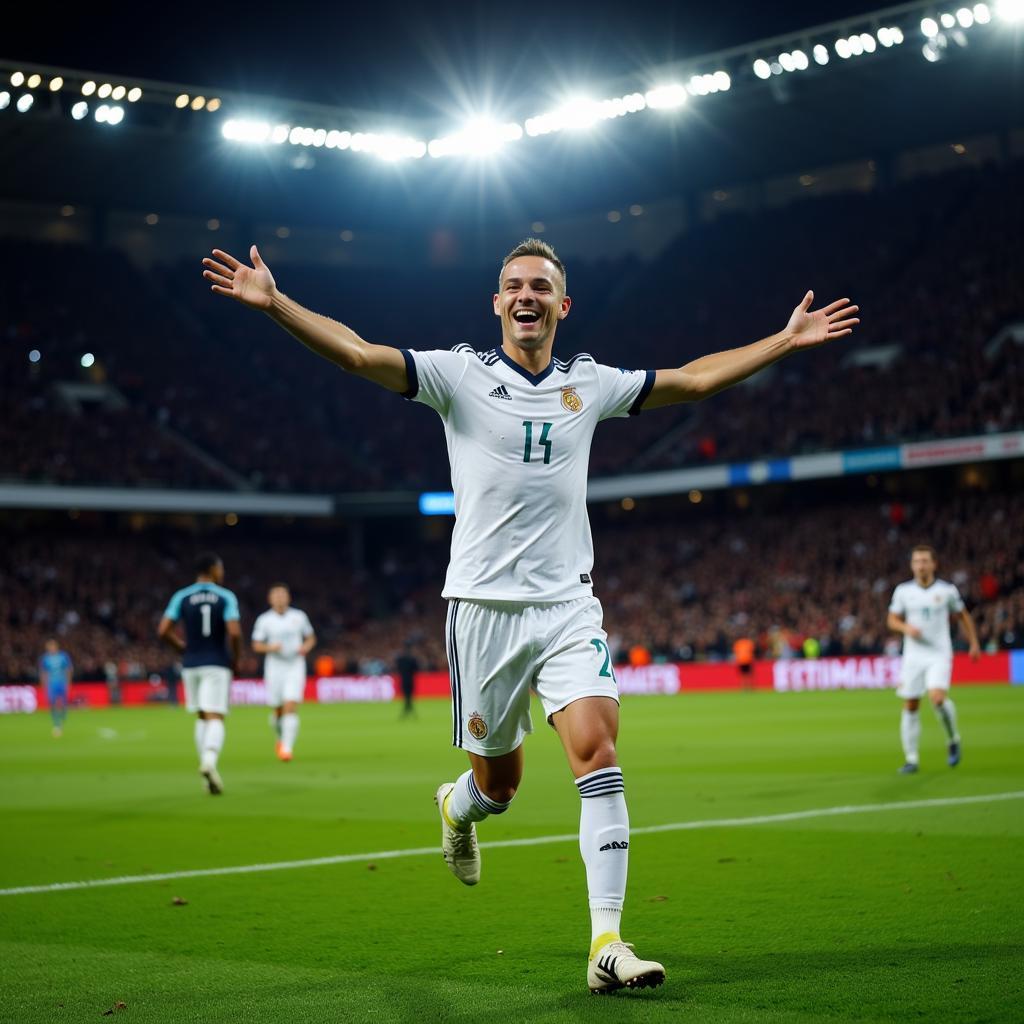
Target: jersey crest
x,y
571,400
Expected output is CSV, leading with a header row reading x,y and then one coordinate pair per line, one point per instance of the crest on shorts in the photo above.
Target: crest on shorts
x,y
477,726
571,400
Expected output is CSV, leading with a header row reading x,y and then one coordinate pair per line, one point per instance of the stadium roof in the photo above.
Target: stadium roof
x,y
789,123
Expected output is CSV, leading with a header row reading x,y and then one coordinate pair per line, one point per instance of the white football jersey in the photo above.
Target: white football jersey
x,y
288,630
928,608
519,448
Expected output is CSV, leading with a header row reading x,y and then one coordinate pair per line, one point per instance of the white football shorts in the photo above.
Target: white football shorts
x,y
285,681
919,675
499,650
207,688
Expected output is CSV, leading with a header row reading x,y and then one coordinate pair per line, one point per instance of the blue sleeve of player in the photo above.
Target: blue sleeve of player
x,y
230,607
173,610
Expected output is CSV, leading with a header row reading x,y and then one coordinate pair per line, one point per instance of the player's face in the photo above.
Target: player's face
x,y
51,647
922,565
531,301
217,572
279,599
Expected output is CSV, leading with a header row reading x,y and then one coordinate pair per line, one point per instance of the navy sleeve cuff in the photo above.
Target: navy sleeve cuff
x,y
635,408
410,372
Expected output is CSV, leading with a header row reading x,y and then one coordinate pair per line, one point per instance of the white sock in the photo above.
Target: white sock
x,y
200,733
910,734
604,844
289,730
946,712
467,802
212,742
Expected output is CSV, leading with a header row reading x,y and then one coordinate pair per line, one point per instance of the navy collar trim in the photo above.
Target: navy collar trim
x,y
533,378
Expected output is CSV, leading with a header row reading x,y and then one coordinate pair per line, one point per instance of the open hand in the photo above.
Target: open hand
x,y
809,328
252,286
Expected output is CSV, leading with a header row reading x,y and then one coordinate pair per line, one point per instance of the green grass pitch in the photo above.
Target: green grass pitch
x,y
896,915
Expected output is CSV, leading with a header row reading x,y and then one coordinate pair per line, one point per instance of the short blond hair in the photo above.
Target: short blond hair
x,y
533,247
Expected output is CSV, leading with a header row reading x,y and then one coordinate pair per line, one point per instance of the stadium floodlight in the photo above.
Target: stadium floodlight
x,y
929,27
104,90
34,81
240,130
87,360
25,101
843,48
868,42
35,355
787,62
965,17
666,97
578,114
134,94
982,14
279,134
1010,10
800,60
479,137
722,80
856,45
88,88
5,99
118,93
820,54
319,137
17,78
947,20
182,101
198,102
762,69
776,67
930,52
116,115
102,112
80,110
56,84
213,105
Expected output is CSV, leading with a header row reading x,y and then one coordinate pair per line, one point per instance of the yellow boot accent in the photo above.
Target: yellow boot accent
x,y
601,941
444,811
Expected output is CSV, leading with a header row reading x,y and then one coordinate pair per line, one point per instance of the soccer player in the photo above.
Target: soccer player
x,y
210,652
285,636
521,610
920,609
55,670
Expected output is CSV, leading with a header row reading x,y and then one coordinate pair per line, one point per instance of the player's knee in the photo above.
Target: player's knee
x,y
597,754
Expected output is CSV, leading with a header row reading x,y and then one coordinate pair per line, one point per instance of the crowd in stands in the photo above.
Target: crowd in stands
x,y
686,589
934,263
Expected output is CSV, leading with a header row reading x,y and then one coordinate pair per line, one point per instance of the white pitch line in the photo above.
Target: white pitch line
x,y
424,851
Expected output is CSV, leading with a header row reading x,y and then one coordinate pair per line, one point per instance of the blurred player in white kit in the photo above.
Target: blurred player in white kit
x,y
285,636
920,609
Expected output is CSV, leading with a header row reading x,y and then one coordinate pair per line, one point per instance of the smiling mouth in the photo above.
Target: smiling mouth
x,y
526,317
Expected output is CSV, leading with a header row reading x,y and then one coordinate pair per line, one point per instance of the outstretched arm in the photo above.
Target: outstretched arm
x,y
255,287
708,375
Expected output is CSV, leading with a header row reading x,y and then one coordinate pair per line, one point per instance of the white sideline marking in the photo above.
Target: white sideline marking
x,y
423,851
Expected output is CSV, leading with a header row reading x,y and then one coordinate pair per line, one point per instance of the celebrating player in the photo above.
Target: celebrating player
x,y
55,671
285,636
210,652
521,610
920,609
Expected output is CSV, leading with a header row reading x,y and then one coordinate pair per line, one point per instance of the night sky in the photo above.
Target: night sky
x,y
406,58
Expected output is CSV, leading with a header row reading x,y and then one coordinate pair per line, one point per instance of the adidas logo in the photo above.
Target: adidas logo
x,y
500,392
615,845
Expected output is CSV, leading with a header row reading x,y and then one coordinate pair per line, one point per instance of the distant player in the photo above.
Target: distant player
x,y
209,657
522,612
285,636
55,670
920,609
